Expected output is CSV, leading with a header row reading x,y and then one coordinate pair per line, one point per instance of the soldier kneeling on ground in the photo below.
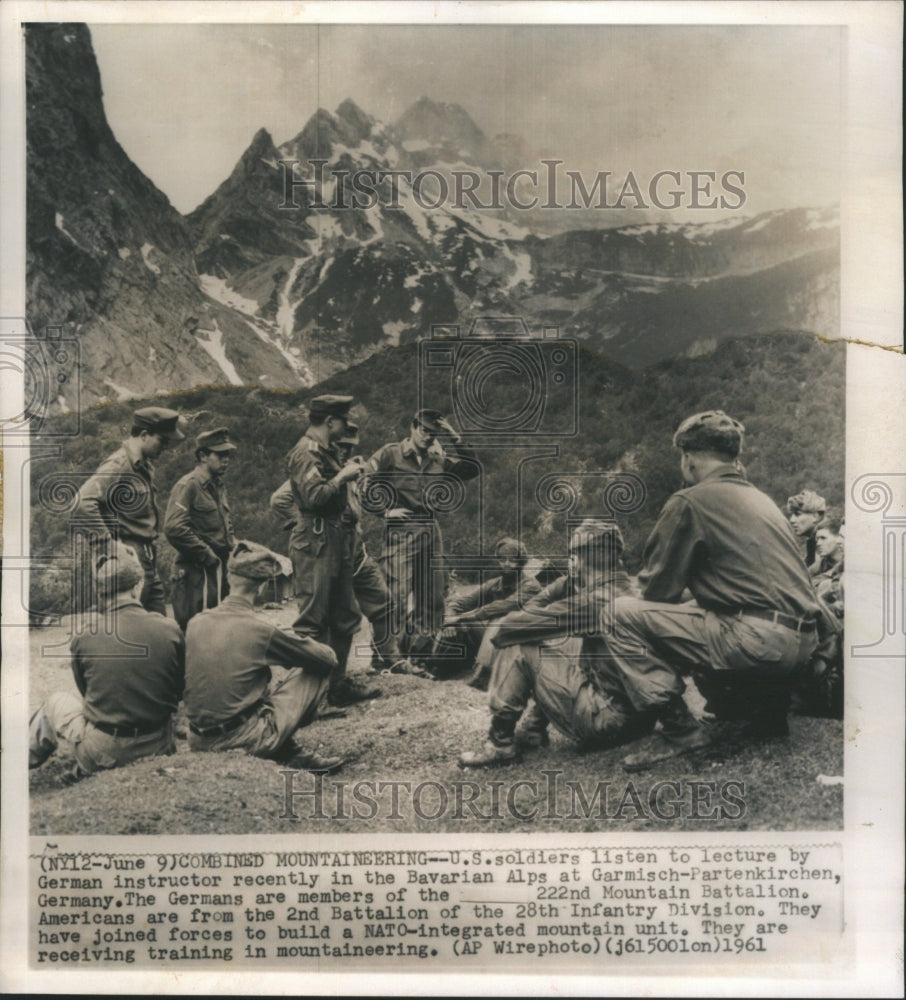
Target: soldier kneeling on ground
x,y
129,675
552,650
473,613
232,700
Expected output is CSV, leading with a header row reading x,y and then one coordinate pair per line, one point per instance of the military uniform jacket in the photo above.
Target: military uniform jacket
x,y
229,650
197,522
283,504
730,545
409,475
563,609
494,599
119,499
312,469
120,684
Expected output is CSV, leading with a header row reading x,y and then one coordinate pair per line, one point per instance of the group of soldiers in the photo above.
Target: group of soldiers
x,y
726,596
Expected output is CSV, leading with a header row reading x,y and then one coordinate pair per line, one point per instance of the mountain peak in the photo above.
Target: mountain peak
x,y
446,128
359,122
261,145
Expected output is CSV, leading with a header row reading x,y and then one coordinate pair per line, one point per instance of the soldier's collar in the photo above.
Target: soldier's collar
x,y
725,471
315,441
128,602
408,448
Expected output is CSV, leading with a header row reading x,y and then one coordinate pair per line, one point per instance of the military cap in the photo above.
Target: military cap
x,y
429,420
329,406
158,420
712,430
118,570
511,548
350,435
806,502
215,440
595,533
253,561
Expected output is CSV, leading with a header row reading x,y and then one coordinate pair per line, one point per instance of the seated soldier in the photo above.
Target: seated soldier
x,y
471,612
819,691
232,701
805,511
536,657
130,678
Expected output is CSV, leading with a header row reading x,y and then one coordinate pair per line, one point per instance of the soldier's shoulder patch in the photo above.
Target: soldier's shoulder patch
x,y
313,473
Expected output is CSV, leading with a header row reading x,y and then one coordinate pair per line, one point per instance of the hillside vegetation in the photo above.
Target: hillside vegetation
x,y
788,388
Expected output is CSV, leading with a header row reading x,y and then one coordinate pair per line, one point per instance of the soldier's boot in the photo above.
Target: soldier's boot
x,y
42,739
768,718
680,733
499,748
532,733
481,677
345,690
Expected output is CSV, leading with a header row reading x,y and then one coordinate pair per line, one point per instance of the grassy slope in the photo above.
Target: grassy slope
x,y
789,390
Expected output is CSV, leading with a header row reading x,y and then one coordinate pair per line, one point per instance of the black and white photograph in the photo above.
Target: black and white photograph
x,y
428,450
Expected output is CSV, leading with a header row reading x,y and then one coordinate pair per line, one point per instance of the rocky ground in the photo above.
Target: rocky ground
x,y
413,734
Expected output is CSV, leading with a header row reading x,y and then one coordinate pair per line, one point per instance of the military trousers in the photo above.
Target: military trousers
x,y
62,717
412,562
321,550
152,595
291,701
565,696
373,597
196,587
650,645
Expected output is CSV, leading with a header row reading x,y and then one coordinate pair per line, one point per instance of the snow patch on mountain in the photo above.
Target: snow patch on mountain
x,y
818,218
58,221
326,227
291,354
393,329
146,257
122,393
704,231
523,264
221,292
286,311
213,344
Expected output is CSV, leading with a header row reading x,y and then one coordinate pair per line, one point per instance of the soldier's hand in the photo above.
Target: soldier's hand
x,y
351,470
449,428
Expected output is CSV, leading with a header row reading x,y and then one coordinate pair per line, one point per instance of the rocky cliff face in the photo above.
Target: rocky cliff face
x,y
281,288
109,259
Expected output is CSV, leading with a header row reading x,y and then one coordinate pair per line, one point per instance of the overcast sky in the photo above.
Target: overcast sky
x,y
185,100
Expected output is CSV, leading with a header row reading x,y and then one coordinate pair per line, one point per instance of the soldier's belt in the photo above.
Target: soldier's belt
x,y
230,724
129,731
778,618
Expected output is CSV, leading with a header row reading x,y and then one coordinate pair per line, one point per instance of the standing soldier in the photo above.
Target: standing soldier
x,y
197,524
119,501
322,541
368,582
412,558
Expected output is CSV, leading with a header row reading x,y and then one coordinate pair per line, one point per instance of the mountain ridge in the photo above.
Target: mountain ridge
x,y
248,288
